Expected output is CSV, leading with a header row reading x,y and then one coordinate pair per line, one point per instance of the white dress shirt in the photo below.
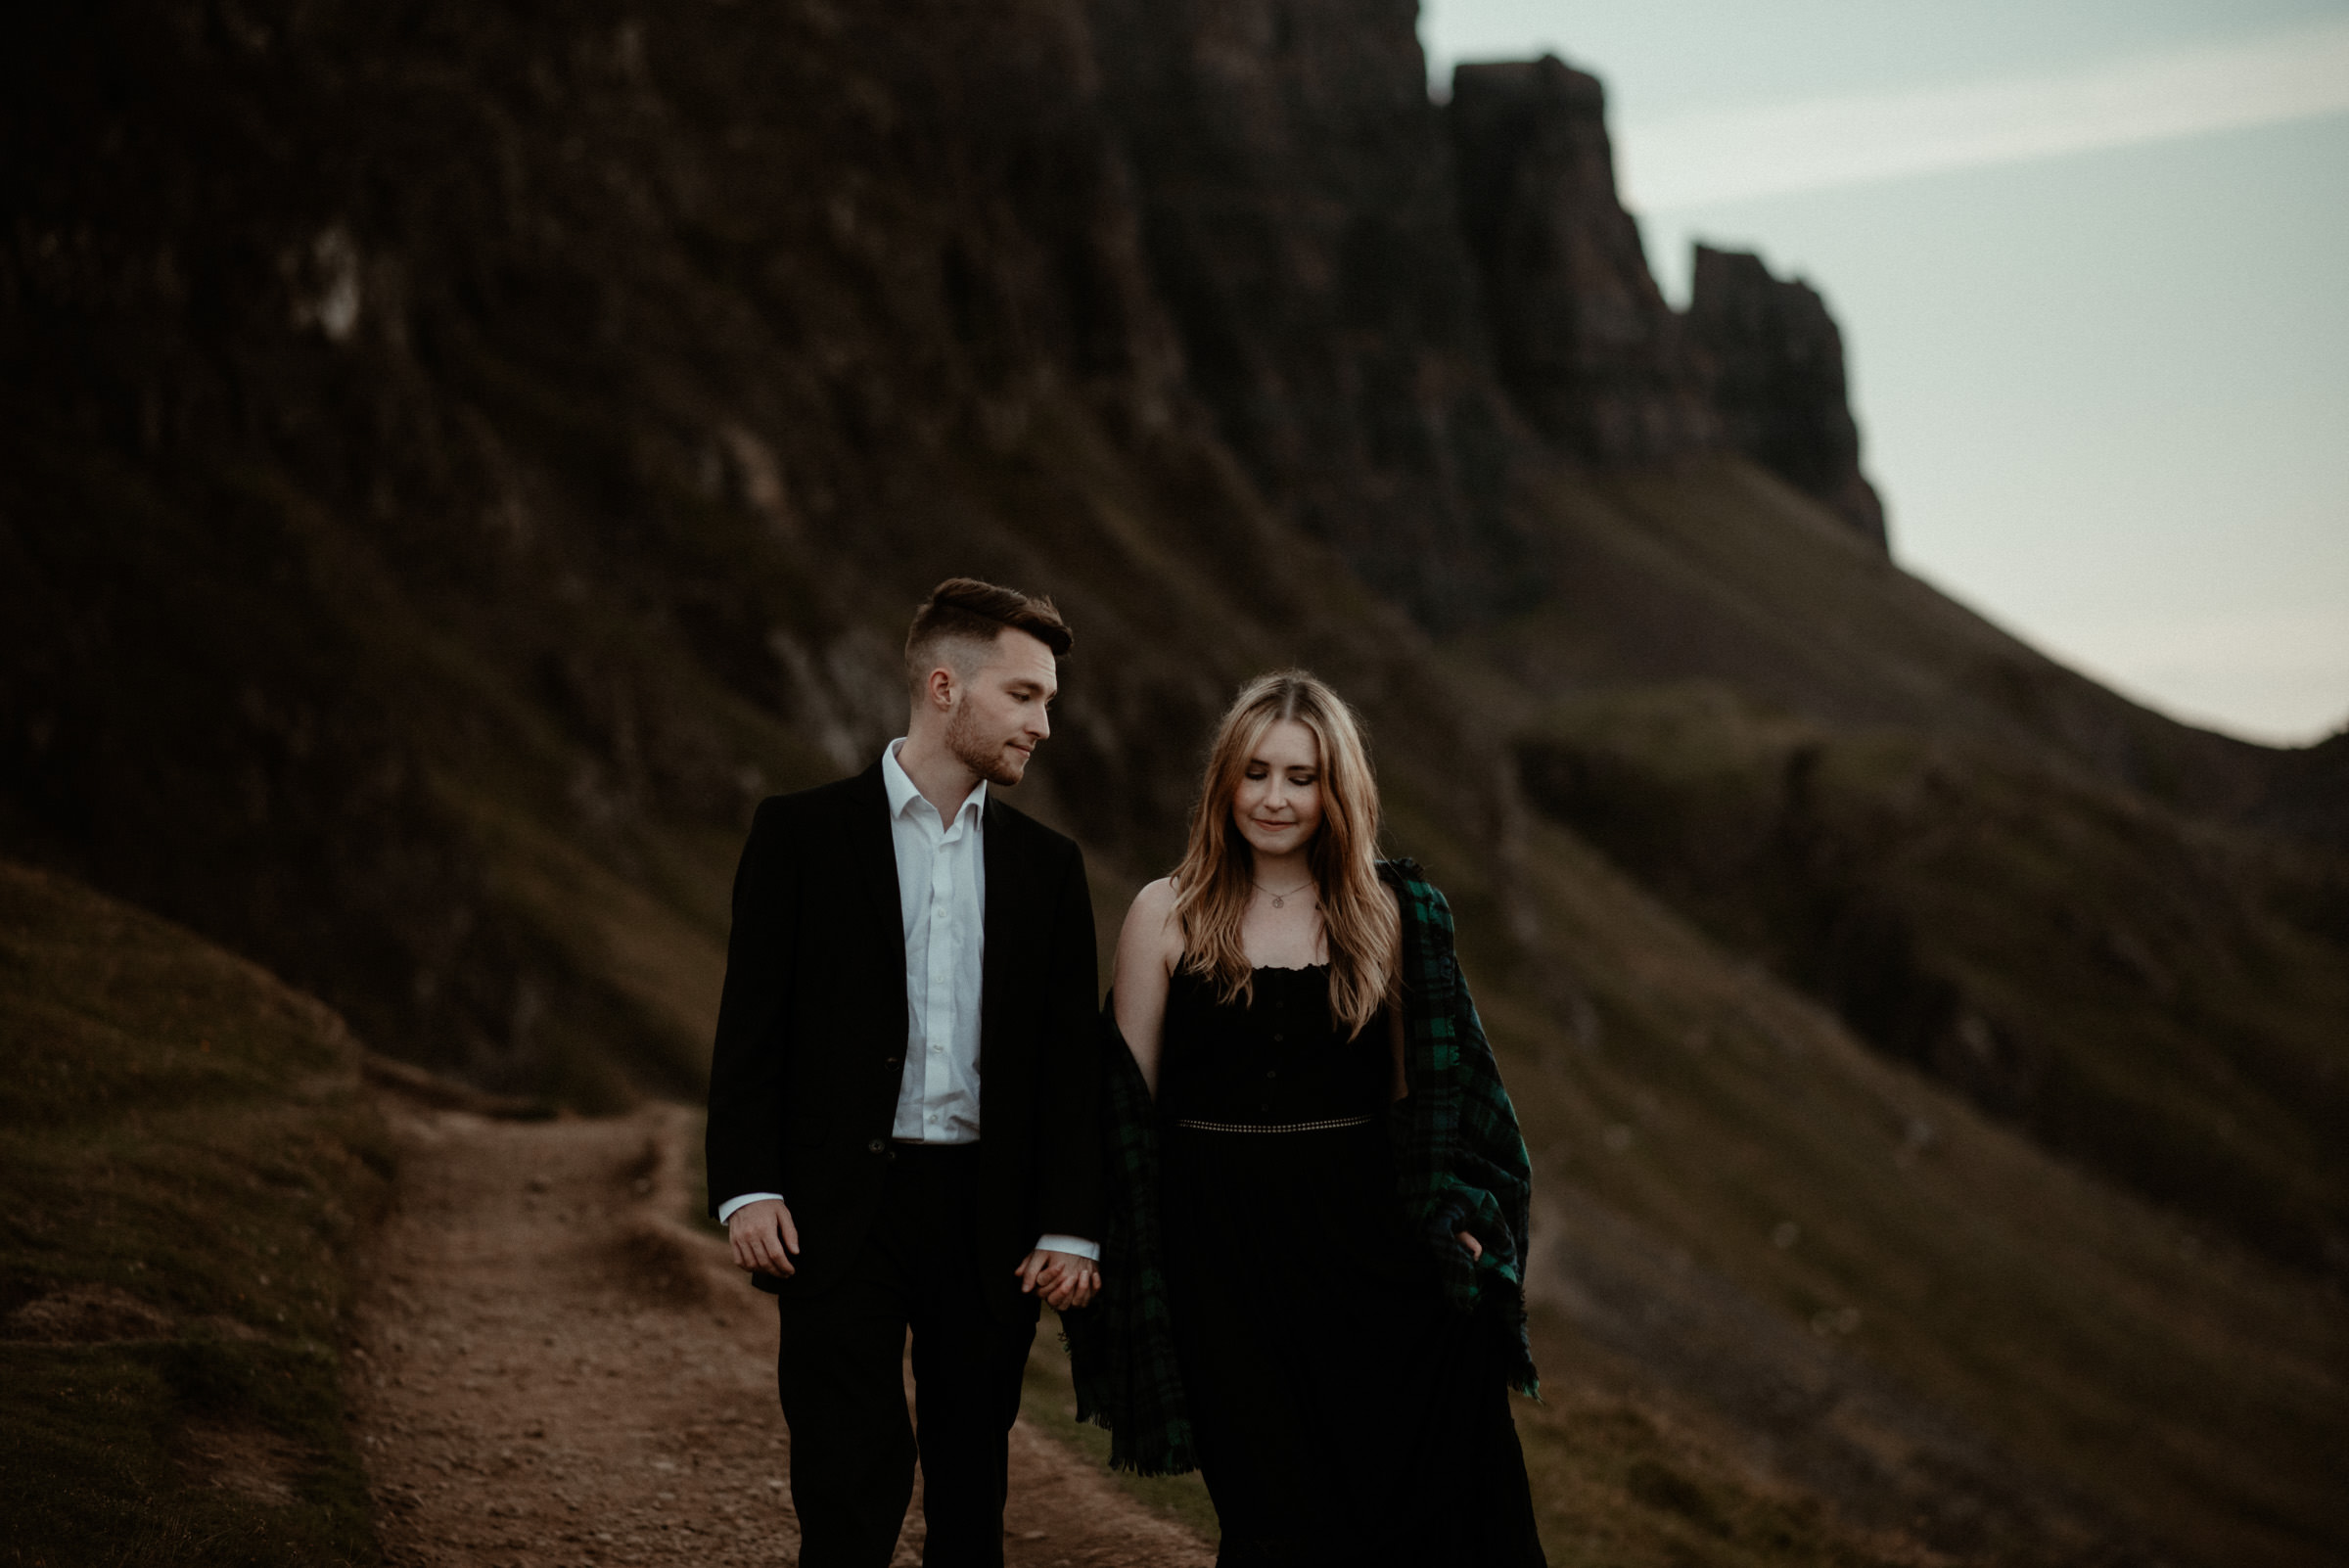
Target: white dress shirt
x,y
942,896
942,900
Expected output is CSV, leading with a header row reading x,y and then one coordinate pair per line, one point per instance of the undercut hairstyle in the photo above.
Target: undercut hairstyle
x,y
1218,875
959,624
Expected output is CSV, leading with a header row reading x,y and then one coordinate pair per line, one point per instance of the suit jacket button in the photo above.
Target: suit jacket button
x,y
891,1062
875,1147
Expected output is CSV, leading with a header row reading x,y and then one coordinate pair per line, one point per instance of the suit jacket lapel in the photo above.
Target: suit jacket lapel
x,y
1010,912
875,899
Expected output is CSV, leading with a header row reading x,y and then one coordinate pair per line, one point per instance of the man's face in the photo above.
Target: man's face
x,y
1000,713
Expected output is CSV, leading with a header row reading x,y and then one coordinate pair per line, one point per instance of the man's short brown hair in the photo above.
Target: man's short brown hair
x,y
972,612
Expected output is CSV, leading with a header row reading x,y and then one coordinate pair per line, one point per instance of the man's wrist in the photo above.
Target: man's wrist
x,y
726,1210
1074,1246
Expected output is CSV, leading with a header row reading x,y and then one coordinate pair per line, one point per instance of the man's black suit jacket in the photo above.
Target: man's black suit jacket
x,y
812,1033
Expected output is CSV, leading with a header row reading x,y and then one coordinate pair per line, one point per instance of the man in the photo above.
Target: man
x,y
902,1097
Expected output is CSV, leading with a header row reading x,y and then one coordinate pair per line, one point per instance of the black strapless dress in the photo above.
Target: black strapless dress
x,y
1343,1414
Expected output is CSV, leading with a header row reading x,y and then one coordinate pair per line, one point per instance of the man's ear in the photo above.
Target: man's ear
x,y
939,690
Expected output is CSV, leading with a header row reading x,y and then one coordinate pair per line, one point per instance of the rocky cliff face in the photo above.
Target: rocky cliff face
x,y
1296,205
1778,385
1581,337
1584,340
1391,307
412,424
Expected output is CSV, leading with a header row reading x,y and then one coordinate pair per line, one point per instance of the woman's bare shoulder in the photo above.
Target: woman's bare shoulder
x,y
1151,917
1152,931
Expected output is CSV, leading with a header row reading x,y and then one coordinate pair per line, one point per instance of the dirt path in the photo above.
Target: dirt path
x,y
553,1368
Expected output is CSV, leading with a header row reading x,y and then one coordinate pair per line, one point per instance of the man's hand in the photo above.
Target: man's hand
x,y
1062,1278
1476,1248
765,1238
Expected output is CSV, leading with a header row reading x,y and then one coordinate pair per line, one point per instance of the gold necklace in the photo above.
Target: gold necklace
x,y
1279,899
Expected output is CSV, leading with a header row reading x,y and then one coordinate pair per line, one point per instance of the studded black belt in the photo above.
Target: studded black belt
x,y
1274,1126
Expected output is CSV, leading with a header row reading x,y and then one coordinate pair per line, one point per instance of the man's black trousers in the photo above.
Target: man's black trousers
x,y
840,1373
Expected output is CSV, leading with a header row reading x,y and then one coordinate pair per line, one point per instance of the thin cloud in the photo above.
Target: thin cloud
x,y
1734,155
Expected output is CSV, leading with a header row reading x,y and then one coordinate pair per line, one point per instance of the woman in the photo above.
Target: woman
x,y
1314,1261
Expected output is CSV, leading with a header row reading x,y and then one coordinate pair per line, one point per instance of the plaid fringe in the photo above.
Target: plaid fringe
x,y
1459,1158
1121,1348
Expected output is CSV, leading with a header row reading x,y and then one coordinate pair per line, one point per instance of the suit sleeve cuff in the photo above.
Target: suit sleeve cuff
x,y
1074,1246
726,1210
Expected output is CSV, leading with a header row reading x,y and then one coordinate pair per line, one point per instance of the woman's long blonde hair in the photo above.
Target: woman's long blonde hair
x,y
1218,875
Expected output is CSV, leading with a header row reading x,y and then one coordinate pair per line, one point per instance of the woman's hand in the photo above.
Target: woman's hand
x,y
1476,1248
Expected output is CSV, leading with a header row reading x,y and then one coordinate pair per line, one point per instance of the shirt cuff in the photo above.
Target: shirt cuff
x,y
1074,1246
726,1210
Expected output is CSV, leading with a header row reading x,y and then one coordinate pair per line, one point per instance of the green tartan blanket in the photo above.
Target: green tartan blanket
x,y
1460,1164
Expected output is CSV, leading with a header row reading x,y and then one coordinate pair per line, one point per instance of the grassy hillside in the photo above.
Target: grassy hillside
x,y
1718,571
185,1162
2163,1000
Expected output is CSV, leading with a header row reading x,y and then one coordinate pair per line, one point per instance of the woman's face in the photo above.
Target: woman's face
x,y
1278,806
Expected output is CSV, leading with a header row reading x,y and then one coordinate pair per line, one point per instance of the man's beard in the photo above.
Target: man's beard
x,y
968,746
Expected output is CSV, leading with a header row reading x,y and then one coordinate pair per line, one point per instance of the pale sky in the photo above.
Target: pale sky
x,y
2091,262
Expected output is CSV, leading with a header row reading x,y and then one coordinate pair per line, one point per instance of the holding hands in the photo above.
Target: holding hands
x,y
766,1241
1062,1278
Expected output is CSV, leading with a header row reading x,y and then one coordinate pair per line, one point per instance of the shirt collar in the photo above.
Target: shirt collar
x,y
903,792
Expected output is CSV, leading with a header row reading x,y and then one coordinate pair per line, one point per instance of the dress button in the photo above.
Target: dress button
x,y
875,1147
